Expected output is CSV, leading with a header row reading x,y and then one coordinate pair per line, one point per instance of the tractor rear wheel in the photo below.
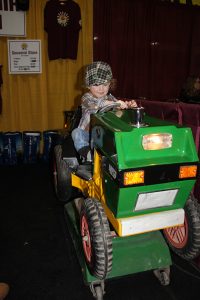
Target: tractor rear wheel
x,y
184,240
96,238
62,177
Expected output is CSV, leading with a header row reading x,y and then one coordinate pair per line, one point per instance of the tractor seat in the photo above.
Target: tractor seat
x,y
85,171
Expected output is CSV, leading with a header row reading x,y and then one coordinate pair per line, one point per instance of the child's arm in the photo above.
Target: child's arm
x,y
124,104
131,103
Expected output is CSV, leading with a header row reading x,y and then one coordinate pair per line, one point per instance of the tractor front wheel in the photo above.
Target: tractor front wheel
x,y
96,238
184,240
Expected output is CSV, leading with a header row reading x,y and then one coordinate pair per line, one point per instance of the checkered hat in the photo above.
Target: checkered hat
x,y
98,73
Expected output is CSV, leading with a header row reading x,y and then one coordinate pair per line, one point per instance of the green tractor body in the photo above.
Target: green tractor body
x,y
147,173
125,150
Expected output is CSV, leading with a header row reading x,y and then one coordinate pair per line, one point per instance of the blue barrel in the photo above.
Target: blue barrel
x,y
1,148
12,148
50,139
31,146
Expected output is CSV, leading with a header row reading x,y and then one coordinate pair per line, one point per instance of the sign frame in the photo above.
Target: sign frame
x,y
24,57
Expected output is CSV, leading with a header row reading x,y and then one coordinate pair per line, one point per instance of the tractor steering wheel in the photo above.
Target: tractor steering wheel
x,y
108,107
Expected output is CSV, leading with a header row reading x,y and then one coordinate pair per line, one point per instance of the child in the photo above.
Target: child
x,y
98,79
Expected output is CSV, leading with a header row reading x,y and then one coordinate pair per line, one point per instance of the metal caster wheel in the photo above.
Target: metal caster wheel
x,y
97,289
163,275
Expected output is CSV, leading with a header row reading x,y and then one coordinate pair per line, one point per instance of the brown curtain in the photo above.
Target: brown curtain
x,y
152,46
36,102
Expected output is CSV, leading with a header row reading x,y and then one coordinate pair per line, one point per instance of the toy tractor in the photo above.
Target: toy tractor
x,y
134,202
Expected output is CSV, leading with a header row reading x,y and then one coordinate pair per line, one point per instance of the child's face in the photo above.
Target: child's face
x,y
99,91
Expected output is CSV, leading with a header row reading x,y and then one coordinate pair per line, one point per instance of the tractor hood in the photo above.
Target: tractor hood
x,y
155,142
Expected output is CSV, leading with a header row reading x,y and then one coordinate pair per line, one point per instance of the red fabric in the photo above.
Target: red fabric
x,y
163,110
152,46
191,117
191,114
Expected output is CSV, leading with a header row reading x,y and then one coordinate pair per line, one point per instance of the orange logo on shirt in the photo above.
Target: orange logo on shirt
x,y
63,18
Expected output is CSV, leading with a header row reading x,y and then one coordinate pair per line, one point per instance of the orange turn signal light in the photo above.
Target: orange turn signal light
x,y
188,171
134,177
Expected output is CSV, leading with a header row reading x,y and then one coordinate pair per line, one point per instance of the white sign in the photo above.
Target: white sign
x,y
12,22
24,56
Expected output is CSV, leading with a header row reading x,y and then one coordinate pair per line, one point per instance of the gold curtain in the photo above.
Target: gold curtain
x,y
194,2
37,101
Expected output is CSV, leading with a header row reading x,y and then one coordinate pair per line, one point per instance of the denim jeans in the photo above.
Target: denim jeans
x,y
80,138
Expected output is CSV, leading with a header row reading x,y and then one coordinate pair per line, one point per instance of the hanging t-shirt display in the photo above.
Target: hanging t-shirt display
x,y
62,22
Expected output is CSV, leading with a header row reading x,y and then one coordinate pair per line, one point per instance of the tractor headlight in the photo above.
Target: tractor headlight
x,y
156,141
133,177
188,171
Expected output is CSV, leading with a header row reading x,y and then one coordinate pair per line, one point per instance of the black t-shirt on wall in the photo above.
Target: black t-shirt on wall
x,y
62,22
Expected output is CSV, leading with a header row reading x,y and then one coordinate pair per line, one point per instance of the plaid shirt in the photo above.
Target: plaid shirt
x,y
91,105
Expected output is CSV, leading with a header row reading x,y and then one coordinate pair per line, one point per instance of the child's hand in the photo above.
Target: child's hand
x,y
131,103
122,104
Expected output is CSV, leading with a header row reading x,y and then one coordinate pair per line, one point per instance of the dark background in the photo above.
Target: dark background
x,y
152,45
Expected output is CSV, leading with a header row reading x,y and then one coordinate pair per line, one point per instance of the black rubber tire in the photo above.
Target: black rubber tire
x,y
189,246
62,177
99,235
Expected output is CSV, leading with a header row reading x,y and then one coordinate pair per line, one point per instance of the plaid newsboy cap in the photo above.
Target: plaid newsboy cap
x,y
98,73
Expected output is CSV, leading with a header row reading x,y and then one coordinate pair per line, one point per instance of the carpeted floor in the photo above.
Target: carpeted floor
x,y
37,257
